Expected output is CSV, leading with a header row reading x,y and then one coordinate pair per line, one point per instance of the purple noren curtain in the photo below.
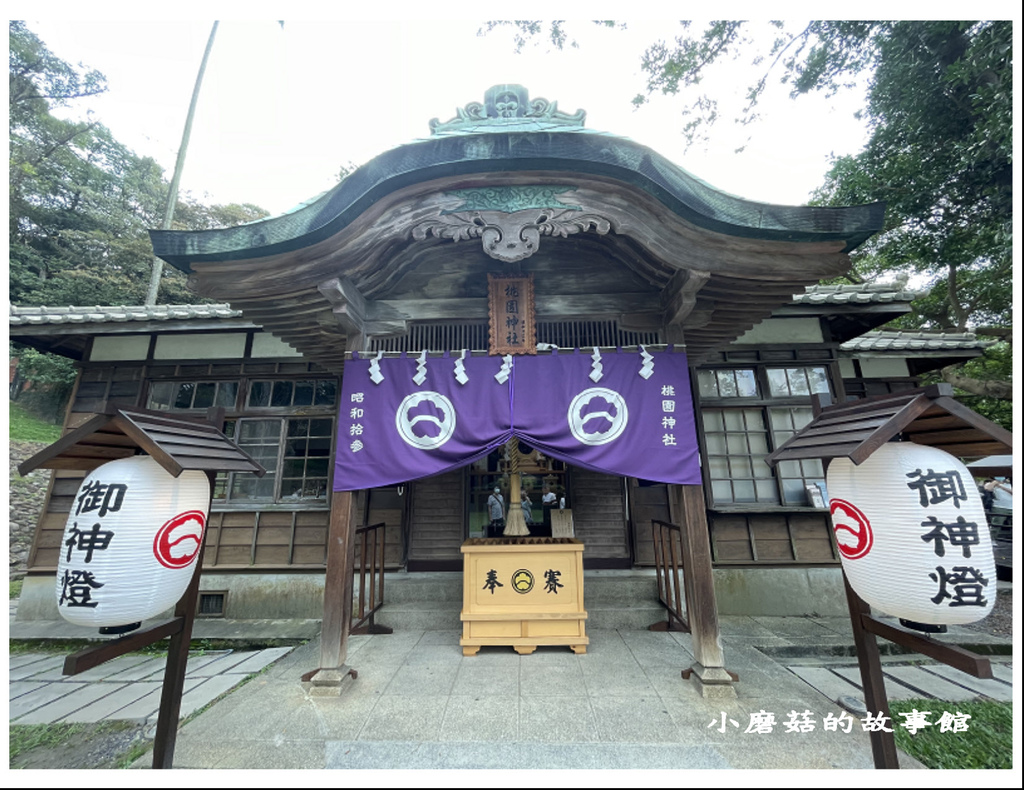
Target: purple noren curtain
x,y
394,429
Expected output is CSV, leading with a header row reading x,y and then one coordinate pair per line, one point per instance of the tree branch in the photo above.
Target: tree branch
x,y
954,300
1000,332
986,388
804,35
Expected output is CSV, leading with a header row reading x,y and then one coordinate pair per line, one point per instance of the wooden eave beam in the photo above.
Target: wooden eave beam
x,y
978,449
348,305
995,432
679,296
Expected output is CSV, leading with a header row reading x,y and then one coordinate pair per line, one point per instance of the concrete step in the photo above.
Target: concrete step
x,y
402,587
444,615
622,599
606,588
426,619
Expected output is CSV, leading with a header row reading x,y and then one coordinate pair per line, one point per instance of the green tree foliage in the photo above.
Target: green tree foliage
x,y
78,198
81,203
939,113
940,156
192,215
51,379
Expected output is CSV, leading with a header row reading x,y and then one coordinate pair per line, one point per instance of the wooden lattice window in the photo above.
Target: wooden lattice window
x,y
295,451
188,395
746,413
283,394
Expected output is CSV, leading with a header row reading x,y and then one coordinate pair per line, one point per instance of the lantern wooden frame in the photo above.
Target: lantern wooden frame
x,y
854,430
177,444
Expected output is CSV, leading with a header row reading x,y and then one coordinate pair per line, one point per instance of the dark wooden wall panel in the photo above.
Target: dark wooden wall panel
x,y
310,555
772,539
437,518
272,555
388,506
599,514
649,502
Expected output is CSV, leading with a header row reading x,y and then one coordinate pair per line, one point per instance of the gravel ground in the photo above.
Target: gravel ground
x,y
87,750
1000,621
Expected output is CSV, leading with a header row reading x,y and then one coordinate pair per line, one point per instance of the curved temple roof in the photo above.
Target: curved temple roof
x,y
472,144
633,236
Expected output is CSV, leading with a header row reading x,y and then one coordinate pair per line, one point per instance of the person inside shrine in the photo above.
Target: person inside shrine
x,y
1002,492
527,505
496,509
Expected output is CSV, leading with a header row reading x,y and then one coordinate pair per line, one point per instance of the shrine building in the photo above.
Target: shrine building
x,y
622,264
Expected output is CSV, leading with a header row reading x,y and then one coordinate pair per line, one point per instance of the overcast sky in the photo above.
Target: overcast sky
x,y
282,109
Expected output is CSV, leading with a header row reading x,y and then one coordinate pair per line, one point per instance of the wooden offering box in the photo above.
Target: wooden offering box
x,y
523,592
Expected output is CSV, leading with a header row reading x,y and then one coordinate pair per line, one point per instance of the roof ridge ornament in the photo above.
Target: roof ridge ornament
x,y
508,107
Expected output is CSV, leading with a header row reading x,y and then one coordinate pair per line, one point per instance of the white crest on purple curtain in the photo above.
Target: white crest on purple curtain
x,y
596,368
439,413
611,415
460,369
375,375
421,368
647,368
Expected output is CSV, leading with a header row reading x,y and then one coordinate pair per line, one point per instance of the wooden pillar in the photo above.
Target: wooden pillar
x,y
341,550
708,672
337,617
689,511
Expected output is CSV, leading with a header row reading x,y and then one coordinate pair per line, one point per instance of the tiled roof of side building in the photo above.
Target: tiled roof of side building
x,y
22,316
915,341
857,294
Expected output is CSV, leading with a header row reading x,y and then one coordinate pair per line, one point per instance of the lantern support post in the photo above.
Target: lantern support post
x,y
177,660
951,655
883,744
91,657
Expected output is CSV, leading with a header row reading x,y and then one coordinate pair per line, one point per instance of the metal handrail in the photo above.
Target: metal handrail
x,y
671,591
371,565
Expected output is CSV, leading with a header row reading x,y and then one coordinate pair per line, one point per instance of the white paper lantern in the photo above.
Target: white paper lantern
x,y
130,543
913,535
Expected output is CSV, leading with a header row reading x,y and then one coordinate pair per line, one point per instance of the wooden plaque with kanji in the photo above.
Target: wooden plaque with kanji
x,y
513,329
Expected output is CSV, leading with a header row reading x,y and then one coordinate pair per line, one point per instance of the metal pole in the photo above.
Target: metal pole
x,y
179,165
